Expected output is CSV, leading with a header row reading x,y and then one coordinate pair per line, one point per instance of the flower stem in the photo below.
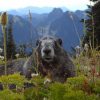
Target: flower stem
x,y
5,49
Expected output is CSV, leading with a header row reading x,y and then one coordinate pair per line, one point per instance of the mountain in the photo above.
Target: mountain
x,y
57,22
37,10
13,12
80,14
36,18
67,29
22,30
52,16
55,14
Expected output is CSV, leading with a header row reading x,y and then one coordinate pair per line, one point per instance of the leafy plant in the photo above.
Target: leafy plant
x,y
57,91
9,95
77,95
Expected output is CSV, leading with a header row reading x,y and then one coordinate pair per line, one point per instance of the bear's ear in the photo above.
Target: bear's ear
x,y
37,42
59,41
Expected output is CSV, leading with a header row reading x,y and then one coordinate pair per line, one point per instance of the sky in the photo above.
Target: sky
x,y
70,4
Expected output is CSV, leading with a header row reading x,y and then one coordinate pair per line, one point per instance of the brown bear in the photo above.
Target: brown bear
x,y
50,60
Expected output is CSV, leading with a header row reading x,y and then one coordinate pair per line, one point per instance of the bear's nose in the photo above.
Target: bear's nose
x,y
47,51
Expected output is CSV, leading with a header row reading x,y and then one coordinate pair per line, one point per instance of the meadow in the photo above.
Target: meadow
x,y
85,85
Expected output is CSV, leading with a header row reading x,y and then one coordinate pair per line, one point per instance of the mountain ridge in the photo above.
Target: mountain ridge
x,y
38,10
57,22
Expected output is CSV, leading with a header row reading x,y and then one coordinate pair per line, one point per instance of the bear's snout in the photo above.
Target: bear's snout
x,y
47,51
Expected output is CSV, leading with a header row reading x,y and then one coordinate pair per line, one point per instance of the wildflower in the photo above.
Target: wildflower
x,y
1,57
4,19
78,51
47,81
86,47
17,55
34,75
1,50
97,74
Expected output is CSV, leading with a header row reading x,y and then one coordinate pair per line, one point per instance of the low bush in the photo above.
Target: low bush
x,y
75,88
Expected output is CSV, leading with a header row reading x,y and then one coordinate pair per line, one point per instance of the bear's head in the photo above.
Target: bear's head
x,y
48,47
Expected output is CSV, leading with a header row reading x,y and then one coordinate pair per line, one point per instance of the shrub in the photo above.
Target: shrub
x,y
9,95
78,95
75,88
57,91
16,79
76,82
38,92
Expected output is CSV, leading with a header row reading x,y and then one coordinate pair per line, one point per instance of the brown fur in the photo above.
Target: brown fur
x,y
59,70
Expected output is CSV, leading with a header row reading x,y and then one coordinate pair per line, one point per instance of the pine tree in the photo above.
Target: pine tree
x,y
96,10
11,49
1,40
93,25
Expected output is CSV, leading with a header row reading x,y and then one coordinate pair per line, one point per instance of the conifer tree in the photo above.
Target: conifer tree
x,y
93,25
96,10
1,40
11,49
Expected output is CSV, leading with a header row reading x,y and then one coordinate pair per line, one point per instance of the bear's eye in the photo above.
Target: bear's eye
x,y
59,41
37,42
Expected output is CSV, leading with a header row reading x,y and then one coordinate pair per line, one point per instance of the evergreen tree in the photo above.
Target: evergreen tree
x,y
93,25
11,49
1,40
96,10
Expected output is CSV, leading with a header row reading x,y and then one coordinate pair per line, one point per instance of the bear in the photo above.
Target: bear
x,y
50,60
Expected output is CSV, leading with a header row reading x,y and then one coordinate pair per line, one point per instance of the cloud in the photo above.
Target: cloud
x,y
70,4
